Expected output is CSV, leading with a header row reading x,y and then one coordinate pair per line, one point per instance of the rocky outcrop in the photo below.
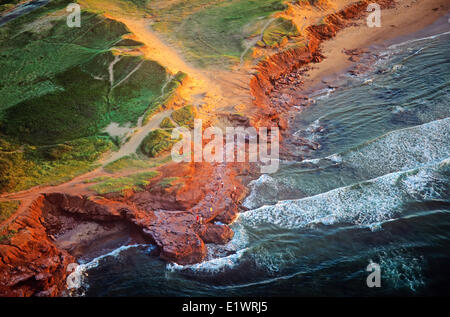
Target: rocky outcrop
x,y
30,263
212,233
211,193
179,220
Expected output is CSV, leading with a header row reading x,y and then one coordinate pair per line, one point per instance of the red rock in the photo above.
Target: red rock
x,y
212,233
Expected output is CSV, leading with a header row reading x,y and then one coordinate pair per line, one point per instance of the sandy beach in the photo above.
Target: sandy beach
x,y
72,221
406,20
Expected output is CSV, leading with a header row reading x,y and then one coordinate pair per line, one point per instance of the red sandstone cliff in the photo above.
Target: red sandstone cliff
x,y
285,67
32,263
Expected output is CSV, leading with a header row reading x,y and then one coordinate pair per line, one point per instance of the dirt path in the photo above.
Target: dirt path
x,y
156,50
217,88
77,185
136,139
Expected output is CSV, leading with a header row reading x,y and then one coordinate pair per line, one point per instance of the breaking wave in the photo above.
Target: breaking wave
x,y
399,150
220,257
77,284
366,203
402,149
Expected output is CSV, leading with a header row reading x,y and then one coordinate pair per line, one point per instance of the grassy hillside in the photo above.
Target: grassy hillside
x,y
213,32
60,88
63,73
133,182
157,142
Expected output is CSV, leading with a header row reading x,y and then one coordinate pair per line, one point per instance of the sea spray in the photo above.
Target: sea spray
x,y
363,203
398,150
77,281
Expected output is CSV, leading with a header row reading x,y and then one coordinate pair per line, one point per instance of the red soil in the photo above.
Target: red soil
x,y
32,264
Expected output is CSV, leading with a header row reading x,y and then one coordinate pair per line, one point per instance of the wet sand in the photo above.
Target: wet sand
x,y
409,19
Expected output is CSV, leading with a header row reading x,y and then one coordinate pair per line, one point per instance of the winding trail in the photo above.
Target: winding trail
x,y
253,42
215,86
136,139
216,91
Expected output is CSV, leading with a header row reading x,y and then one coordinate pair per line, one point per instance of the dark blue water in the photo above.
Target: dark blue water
x,y
376,191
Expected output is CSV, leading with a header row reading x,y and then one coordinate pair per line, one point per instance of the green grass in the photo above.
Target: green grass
x,y
213,32
157,142
56,96
25,166
129,43
166,123
166,94
278,30
184,117
167,182
119,185
79,110
30,60
7,208
79,104
5,237
96,179
62,73
139,93
133,162
140,3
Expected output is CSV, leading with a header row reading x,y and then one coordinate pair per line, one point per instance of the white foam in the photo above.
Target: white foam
x,y
402,270
77,279
398,150
395,46
264,190
212,266
365,203
272,260
216,260
402,149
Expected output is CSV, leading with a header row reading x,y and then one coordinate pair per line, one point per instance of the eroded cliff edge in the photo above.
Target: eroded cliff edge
x,y
179,221
35,260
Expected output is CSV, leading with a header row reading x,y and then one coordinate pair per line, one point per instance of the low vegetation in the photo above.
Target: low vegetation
x,y
57,93
96,179
166,123
157,142
25,166
167,182
213,33
133,162
133,182
7,208
184,117
167,94
278,31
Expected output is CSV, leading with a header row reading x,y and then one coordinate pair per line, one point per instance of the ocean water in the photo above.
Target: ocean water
x,y
377,191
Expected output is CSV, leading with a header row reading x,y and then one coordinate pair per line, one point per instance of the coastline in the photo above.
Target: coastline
x,y
398,24
337,62
316,77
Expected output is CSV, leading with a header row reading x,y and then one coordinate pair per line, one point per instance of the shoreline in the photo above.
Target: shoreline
x,y
361,38
335,64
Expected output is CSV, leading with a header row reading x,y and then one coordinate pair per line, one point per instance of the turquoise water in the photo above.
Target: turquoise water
x,y
377,190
